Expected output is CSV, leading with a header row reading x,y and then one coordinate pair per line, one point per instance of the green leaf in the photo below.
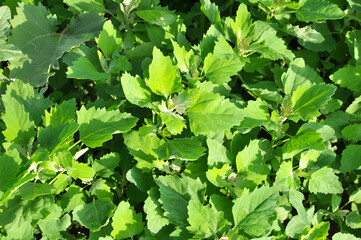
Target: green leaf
x,y
9,167
305,138
286,178
19,128
157,16
55,223
325,181
101,190
353,41
317,232
31,190
184,58
94,215
352,132
211,11
243,27
354,109
355,5
34,66
175,123
204,221
78,6
220,177
83,68
81,171
305,34
219,70
143,180
251,161
255,114
353,220
53,138
135,90
187,149
351,158
175,194
356,196
307,100
297,75
252,211
344,236
105,166
266,90
155,214
61,113
73,197
109,41
217,153
97,126
126,223
163,75
5,16
33,103
210,113
318,10
348,77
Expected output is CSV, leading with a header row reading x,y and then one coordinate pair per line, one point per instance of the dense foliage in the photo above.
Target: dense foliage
x,y
177,120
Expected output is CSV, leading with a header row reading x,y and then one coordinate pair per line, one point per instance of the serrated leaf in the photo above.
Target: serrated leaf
x,y
219,70
105,165
101,190
33,68
135,90
344,236
352,132
94,215
317,232
73,197
211,11
354,109
304,34
217,154
353,220
175,193
351,158
9,167
157,16
325,181
297,75
81,171
251,161
252,211
155,214
243,26
266,90
78,6
126,222
143,180
97,126
255,114
348,77
31,190
286,178
61,113
163,75
55,223
318,10
219,176
210,113
5,16
184,57
307,100
187,149
53,138
204,221
83,68
109,41
306,138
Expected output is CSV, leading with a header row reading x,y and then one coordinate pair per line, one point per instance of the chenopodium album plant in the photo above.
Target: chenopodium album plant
x,y
227,120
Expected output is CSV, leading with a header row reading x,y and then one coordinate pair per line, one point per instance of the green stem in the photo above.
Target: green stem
x,y
57,176
76,143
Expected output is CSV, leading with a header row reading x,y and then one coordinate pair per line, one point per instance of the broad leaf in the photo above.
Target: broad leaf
x,y
286,178
97,126
181,148
78,6
204,221
105,165
210,113
163,75
318,10
155,214
351,158
325,181
352,132
38,60
252,211
109,41
126,222
317,232
135,90
94,215
348,77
